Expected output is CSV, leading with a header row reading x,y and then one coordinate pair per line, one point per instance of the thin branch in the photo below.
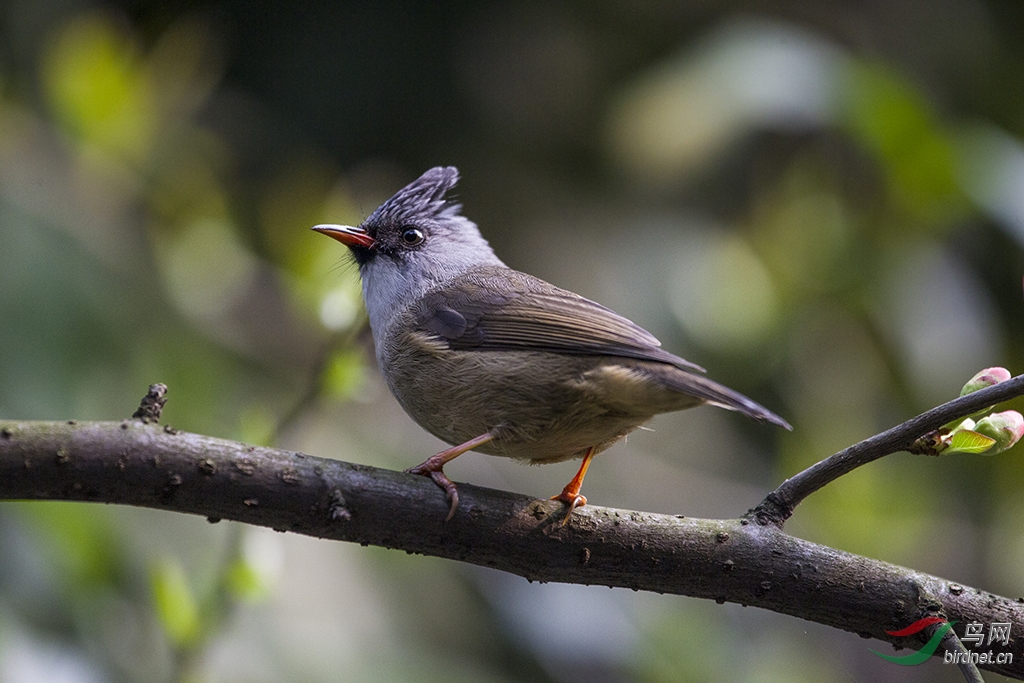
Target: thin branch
x,y
778,505
725,560
951,643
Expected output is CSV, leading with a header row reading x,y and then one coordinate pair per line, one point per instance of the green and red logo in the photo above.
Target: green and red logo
x,y
974,635
929,648
998,633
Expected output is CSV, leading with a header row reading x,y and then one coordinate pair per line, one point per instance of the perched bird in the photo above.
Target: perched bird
x,y
488,358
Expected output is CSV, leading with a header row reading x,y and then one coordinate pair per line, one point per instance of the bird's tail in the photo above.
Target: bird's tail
x,y
722,396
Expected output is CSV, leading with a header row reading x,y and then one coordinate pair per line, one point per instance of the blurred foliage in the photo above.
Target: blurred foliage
x,y
175,605
892,119
822,205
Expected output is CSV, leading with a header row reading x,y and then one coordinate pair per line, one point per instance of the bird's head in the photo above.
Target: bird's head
x,y
413,242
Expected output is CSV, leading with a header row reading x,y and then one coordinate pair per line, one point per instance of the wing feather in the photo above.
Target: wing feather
x,y
494,308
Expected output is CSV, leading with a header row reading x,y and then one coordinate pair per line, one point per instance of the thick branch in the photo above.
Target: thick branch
x,y
778,505
725,560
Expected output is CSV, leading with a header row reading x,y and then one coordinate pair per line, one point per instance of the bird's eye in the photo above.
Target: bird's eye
x,y
412,236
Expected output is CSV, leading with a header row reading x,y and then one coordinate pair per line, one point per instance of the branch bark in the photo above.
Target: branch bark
x,y
737,561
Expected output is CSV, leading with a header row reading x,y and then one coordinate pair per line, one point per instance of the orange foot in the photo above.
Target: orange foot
x,y
570,495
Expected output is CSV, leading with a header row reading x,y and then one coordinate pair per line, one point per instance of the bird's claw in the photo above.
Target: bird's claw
x,y
450,491
442,480
573,500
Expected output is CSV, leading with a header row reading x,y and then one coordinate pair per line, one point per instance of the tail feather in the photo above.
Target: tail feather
x,y
722,396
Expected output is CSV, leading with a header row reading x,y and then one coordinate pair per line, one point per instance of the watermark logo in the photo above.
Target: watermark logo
x,y
929,648
974,634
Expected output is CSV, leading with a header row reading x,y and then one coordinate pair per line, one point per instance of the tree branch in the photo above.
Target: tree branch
x,y
952,643
778,505
725,560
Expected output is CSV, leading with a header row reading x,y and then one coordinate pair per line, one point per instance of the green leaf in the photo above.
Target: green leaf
x,y
968,441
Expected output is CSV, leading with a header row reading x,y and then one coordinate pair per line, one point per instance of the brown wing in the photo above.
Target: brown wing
x,y
495,308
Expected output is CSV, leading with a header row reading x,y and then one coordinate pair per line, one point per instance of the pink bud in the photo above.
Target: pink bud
x,y
986,378
1006,428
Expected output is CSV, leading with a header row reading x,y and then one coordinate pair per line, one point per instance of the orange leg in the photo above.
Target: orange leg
x,y
570,495
432,467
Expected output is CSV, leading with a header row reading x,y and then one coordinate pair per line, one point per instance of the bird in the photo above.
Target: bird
x,y
491,359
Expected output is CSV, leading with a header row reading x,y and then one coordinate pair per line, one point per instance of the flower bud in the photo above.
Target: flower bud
x,y
986,378
1006,428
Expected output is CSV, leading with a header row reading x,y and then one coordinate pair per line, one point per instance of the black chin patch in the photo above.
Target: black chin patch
x,y
362,255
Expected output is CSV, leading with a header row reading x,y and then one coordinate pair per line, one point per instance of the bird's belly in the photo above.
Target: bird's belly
x,y
542,406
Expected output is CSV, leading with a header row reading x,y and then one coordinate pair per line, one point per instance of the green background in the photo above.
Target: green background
x,y
822,203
